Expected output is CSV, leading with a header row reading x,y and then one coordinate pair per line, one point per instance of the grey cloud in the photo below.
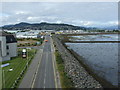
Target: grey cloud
x,y
66,12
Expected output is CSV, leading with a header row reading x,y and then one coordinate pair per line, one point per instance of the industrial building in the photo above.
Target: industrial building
x,y
8,46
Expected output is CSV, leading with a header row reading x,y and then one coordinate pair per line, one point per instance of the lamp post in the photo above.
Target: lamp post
x,y
27,57
3,79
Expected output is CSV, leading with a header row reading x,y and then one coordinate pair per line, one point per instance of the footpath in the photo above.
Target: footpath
x,y
28,79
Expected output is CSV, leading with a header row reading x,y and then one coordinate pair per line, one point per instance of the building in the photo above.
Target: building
x,y
8,46
30,34
11,31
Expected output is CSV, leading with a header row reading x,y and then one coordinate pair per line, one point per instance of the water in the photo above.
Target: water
x,y
101,57
103,37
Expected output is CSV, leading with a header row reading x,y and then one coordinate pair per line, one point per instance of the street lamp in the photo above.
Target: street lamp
x,y
27,57
3,78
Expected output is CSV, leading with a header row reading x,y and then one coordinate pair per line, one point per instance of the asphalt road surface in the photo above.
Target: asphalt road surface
x,y
45,75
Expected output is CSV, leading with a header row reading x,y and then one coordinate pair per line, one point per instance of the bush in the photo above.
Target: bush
x,y
59,59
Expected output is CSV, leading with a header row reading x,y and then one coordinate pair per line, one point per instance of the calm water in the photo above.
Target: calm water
x,y
101,57
104,37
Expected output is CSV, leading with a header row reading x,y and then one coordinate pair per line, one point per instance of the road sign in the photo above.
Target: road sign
x,y
4,65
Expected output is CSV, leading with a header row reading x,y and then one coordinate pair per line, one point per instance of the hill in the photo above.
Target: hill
x,y
42,26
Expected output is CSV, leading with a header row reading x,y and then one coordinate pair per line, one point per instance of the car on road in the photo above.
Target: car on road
x,y
46,40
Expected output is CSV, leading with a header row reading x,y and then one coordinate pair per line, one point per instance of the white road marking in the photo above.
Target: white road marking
x,y
44,82
52,51
45,69
35,75
53,58
45,78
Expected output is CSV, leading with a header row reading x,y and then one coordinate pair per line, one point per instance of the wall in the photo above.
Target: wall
x,y
12,49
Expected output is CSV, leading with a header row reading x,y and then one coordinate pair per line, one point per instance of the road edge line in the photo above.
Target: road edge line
x,y
53,58
34,76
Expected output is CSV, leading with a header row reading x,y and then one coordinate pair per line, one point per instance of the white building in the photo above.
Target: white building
x,y
30,34
8,46
11,31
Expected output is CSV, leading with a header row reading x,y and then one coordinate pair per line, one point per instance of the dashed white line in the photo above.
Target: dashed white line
x,y
34,77
44,78
45,70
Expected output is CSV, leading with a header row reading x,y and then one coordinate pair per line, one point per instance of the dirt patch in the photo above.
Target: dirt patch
x,y
27,41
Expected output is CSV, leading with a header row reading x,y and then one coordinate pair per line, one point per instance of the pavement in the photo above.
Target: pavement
x,y
41,72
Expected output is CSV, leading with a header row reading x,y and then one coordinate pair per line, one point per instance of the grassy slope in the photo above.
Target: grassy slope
x,y
65,80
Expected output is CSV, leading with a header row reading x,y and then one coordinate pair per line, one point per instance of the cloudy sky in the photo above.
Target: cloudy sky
x,y
94,14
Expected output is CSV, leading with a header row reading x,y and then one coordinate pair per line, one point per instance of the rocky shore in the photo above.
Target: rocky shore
x,y
74,69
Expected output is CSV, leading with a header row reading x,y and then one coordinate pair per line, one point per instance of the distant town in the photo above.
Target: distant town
x,y
59,44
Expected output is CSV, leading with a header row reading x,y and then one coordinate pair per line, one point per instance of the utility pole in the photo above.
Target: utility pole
x,y
3,79
27,57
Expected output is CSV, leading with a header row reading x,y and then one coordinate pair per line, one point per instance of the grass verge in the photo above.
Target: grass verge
x,y
24,42
66,82
18,64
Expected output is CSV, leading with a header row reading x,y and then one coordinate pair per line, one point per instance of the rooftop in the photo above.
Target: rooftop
x,y
2,33
9,37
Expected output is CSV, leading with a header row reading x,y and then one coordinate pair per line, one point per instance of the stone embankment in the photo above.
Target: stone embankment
x,y
74,69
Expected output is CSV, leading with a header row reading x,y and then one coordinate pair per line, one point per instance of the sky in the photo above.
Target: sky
x,y
89,14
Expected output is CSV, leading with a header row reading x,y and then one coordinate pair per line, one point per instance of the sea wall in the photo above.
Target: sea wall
x,y
80,77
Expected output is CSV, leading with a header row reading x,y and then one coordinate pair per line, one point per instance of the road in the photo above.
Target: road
x,y
45,77
41,72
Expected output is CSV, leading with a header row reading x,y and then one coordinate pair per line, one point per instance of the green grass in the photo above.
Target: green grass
x,y
17,64
0,76
66,82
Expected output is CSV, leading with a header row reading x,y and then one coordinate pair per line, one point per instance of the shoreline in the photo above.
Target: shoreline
x,y
80,77
102,81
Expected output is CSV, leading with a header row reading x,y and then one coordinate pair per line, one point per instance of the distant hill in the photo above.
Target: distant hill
x,y
42,26
111,27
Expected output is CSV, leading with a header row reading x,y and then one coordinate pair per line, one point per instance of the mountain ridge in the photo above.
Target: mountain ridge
x,y
42,26
53,26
